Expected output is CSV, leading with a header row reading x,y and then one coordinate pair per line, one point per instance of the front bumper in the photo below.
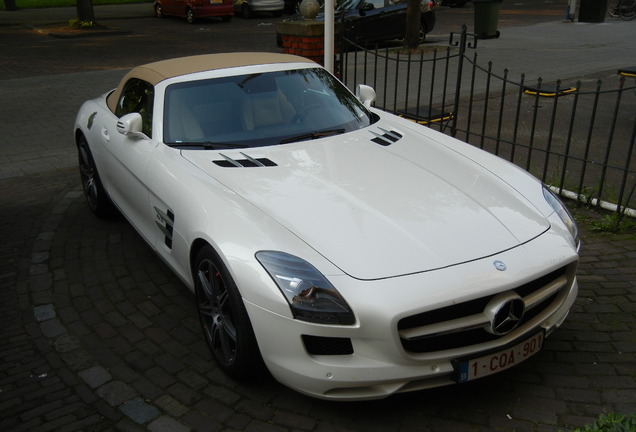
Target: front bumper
x,y
371,359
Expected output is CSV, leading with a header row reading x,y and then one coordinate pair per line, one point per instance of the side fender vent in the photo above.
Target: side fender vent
x,y
386,138
248,162
165,223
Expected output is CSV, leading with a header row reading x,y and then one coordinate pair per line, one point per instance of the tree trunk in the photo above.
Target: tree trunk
x,y
85,10
413,24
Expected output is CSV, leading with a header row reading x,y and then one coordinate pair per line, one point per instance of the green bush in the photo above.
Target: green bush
x,y
611,423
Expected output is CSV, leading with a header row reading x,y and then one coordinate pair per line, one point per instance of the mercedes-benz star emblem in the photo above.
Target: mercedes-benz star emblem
x,y
504,312
499,265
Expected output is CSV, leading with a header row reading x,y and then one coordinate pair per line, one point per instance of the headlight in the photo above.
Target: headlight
x,y
310,295
563,213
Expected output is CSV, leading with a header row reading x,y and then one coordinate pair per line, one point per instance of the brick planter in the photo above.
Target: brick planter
x,y
303,38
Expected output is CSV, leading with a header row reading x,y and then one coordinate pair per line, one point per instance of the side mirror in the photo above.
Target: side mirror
x,y
131,125
365,94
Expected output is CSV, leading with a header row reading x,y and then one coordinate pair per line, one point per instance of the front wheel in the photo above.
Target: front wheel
x,y
226,325
96,197
246,11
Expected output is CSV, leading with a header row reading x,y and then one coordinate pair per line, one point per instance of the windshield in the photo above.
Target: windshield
x,y
260,109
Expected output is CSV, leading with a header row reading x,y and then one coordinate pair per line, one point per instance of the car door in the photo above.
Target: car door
x,y
128,156
379,20
172,7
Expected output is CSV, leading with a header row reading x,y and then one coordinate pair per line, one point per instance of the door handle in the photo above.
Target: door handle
x,y
105,135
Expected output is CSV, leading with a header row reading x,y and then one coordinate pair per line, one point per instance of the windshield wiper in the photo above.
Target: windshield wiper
x,y
313,135
206,145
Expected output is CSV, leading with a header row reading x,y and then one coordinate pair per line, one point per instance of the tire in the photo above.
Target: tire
x,y
190,16
246,11
627,9
612,8
423,32
224,320
96,197
158,11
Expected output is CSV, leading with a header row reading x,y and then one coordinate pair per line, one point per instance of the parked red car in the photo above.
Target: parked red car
x,y
194,9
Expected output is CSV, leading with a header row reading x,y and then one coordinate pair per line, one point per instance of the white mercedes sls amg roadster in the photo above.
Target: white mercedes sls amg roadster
x,y
353,253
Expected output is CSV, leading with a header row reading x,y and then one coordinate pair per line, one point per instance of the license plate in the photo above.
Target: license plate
x,y
489,364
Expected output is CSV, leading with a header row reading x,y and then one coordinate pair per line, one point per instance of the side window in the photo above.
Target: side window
x,y
138,96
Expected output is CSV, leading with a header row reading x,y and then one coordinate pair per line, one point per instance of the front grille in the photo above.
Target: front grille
x,y
463,324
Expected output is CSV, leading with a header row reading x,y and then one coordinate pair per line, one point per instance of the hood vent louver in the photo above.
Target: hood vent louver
x,y
248,162
387,138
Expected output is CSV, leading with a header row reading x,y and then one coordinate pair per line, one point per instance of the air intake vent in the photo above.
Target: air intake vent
x,y
321,345
386,138
248,162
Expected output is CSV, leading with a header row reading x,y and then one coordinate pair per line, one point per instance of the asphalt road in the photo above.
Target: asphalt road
x,y
139,37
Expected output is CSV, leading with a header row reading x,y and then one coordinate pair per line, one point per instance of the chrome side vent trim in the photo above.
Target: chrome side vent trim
x,y
386,138
248,162
165,222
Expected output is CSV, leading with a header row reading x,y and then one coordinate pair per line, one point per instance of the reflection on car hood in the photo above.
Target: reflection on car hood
x,y
379,211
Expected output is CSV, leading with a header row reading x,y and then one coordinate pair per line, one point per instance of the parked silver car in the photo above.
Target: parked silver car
x,y
248,8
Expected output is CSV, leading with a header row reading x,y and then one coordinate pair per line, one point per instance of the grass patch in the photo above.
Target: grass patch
x,y
25,4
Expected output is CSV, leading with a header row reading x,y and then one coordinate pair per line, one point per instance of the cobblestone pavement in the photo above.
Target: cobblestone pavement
x,y
97,335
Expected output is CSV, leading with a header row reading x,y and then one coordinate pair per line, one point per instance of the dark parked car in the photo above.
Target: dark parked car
x,y
454,3
368,21
372,21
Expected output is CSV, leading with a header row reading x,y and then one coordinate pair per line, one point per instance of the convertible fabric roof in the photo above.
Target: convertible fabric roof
x,y
164,69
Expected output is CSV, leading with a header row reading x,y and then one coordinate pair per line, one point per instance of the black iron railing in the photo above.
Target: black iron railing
x,y
576,136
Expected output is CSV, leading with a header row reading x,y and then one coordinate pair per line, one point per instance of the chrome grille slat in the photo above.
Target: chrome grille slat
x,y
541,294
446,327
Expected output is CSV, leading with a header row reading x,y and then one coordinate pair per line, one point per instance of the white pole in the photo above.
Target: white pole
x,y
329,38
571,10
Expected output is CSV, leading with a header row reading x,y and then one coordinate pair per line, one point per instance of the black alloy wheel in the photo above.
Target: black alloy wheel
x,y
98,200
226,325
246,11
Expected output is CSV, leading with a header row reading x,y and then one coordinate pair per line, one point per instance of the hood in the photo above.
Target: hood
x,y
378,210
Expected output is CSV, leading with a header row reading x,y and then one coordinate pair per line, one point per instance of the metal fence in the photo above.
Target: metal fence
x,y
576,136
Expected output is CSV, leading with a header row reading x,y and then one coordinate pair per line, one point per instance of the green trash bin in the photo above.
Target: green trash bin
x,y
486,18
592,11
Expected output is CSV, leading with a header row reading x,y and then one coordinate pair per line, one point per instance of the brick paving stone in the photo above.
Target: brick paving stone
x,y
167,424
139,411
115,392
200,422
170,405
95,376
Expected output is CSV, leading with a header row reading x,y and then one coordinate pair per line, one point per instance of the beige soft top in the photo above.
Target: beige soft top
x,y
164,69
